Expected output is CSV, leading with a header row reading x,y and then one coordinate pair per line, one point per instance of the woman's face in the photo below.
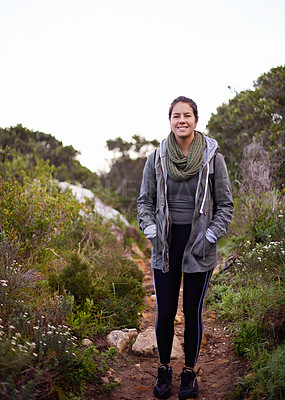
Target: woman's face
x,y
183,121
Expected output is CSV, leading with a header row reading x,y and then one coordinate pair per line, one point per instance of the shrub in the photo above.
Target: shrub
x,y
76,279
267,379
251,297
32,219
61,271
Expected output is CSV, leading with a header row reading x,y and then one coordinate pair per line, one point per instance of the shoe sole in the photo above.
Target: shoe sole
x,y
165,396
188,396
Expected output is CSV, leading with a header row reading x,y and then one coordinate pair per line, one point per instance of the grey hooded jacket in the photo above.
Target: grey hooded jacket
x,y
211,211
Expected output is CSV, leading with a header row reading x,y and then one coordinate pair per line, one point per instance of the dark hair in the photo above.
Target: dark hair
x,y
183,99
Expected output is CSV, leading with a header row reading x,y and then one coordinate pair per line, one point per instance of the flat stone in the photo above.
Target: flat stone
x,y
87,342
121,338
146,345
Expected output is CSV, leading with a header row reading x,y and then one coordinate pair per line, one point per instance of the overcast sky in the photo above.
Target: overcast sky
x,y
90,70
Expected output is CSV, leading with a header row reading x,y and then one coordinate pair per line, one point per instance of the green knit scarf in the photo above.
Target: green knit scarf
x,y
180,167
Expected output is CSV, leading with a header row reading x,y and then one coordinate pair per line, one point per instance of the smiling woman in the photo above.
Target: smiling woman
x,y
176,212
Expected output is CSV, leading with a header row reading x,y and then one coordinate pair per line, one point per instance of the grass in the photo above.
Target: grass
x,y
250,297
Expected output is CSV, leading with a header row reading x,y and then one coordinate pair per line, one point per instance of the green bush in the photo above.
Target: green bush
x,y
62,273
102,300
267,379
247,335
251,298
32,219
76,279
263,218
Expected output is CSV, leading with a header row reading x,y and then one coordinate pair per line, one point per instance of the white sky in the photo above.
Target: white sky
x,y
90,70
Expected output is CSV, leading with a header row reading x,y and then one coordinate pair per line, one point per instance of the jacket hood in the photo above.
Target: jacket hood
x,y
211,148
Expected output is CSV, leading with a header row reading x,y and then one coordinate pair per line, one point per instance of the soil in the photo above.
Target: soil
x,y
218,368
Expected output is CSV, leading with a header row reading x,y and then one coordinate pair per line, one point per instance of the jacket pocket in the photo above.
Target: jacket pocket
x,y
201,246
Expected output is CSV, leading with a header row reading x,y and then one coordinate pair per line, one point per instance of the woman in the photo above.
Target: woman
x,y
185,205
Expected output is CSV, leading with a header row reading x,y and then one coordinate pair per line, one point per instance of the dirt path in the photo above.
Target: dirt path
x,y
218,368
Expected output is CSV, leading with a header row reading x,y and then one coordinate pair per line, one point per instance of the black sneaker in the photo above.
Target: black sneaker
x,y
162,386
189,384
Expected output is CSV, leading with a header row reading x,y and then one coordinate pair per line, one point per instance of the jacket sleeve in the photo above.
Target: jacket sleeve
x,y
223,198
147,199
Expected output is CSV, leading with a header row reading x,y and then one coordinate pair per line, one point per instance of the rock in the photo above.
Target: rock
x,y
204,340
117,232
216,385
87,342
80,193
108,212
223,361
133,232
177,351
145,345
149,288
138,389
140,263
136,250
151,299
179,319
130,331
121,338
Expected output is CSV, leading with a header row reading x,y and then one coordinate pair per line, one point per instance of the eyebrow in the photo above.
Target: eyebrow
x,y
187,112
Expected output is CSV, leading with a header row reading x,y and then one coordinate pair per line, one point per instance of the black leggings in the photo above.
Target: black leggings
x,y
167,286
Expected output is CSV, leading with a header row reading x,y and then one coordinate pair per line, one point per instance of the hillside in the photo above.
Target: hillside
x,y
69,276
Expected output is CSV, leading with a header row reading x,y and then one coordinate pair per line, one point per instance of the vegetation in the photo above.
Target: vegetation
x,y
251,298
250,295
63,277
253,114
23,148
124,178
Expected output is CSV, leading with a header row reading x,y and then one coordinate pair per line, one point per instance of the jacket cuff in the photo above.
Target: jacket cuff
x,y
150,231
210,236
